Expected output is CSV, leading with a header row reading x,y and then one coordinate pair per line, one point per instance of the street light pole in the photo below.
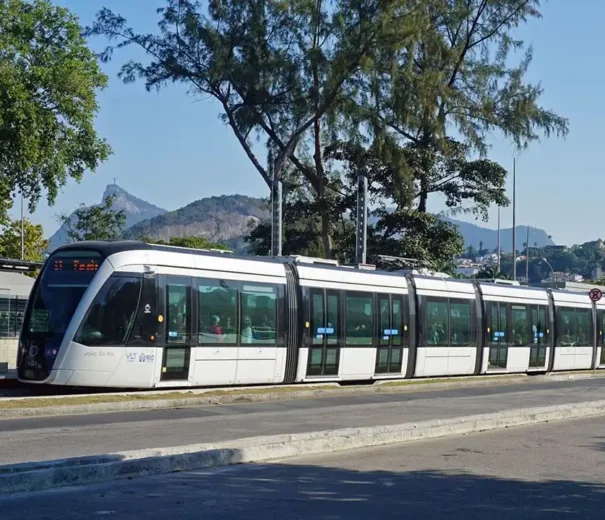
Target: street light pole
x,y
499,245
527,257
552,271
514,220
22,235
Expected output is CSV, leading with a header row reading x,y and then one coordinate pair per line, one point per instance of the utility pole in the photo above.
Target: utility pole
x,y
499,245
362,224
514,219
527,257
22,231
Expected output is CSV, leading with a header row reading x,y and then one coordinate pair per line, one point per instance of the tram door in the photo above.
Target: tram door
x,y
498,335
539,337
390,350
178,323
324,349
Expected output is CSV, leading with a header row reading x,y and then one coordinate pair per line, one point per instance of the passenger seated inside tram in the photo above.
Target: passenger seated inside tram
x,y
436,335
519,339
215,328
247,332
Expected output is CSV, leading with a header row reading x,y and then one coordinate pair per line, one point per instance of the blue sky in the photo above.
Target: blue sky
x,y
171,149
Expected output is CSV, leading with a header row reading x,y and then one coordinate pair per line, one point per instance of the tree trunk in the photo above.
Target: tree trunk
x,y
423,195
424,174
326,235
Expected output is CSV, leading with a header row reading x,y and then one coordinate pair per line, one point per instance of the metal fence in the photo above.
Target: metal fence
x,y
12,310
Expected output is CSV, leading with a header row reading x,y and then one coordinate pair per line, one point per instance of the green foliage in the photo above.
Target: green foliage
x,y
48,85
580,260
396,230
190,242
280,70
458,78
95,223
33,241
380,85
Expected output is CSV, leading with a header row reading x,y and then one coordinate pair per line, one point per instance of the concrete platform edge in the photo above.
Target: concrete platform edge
x,y
257,397
132,464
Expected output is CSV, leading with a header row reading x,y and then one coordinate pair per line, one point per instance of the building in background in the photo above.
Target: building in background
x,y
14,292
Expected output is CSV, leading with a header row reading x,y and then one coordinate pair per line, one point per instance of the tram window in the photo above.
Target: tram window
x,y
359,319
498,323
178,317
460,323
538,325
397,328
259,314
437,322
217,312
385,319
582,327
519,325
568,327
317,317
332,327
111,314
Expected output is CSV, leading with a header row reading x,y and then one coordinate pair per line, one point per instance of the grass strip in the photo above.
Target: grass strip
x,y
48,402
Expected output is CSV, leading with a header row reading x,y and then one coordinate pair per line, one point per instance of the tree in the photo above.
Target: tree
x,y
393,229
33,241
100,222
49,80
279,69
458,78
191,242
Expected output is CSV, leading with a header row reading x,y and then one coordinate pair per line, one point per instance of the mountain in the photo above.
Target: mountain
x,y
226,219
136,210
223,219
474,235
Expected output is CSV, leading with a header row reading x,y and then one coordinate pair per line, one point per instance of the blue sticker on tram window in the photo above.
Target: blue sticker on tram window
x,y
385,337
321,330
319,336
387,332
541,335
173,334
330,330
394,332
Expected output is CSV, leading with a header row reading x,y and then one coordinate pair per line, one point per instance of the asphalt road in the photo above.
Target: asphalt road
x,y
36,439
549,471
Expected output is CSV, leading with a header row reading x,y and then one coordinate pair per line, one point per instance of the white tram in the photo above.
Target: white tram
x,y
132,315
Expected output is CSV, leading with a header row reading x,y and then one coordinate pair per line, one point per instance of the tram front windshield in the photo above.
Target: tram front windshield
x,y
62,283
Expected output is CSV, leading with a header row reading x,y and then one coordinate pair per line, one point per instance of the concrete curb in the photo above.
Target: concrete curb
x,y
131,464
381,387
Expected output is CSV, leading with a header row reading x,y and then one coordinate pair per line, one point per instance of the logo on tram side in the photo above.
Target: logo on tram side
x,y
142,358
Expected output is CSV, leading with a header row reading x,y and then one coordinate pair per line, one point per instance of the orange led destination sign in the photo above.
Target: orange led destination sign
x,y
75,265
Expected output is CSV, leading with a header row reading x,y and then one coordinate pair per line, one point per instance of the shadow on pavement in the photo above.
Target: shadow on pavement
x,y
281,491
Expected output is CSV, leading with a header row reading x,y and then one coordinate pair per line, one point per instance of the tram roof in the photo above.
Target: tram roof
x,y
111,247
